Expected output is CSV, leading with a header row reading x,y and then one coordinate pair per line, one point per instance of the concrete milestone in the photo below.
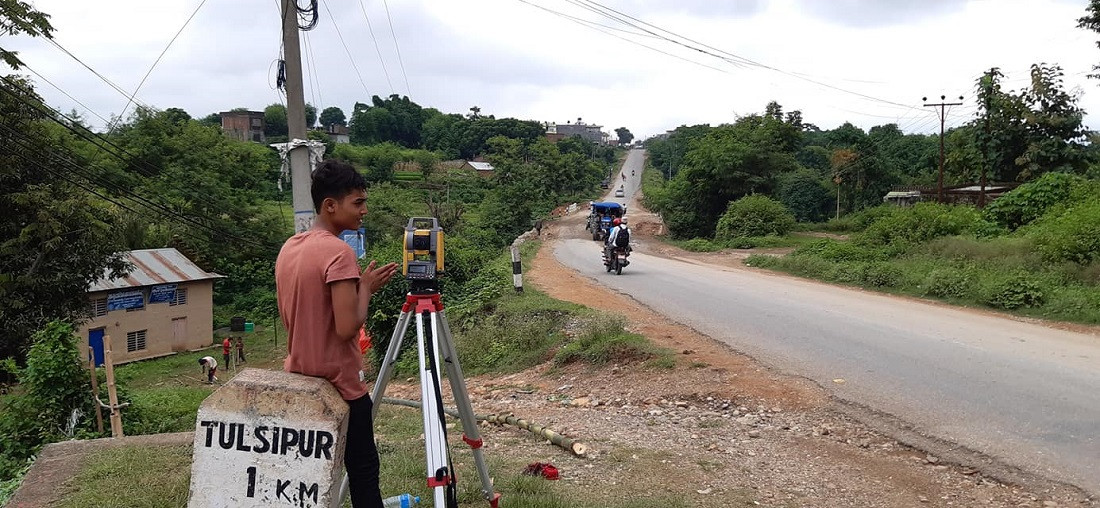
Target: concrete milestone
x,y
269,438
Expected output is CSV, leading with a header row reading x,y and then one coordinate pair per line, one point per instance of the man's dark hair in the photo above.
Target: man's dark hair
x,y
334,179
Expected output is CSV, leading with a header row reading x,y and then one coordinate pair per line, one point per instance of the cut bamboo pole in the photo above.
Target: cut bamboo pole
x,y
112,393
570,445
95,392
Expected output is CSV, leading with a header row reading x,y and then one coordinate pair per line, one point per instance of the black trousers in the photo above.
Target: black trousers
x,y
361,455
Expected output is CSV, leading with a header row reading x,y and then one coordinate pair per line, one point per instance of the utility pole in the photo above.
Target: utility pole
x,y
296,119
988,134
942,105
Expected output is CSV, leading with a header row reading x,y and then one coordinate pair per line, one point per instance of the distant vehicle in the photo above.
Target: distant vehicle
x,y
600,217
619,193
605,183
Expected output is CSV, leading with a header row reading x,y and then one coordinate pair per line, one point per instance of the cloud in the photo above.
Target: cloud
x,y
727,8
878,13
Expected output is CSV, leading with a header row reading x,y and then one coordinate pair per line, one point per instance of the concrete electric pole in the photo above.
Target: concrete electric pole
x,y
296,120
942,105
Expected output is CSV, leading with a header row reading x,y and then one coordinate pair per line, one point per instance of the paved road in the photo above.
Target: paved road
x,y
1026,394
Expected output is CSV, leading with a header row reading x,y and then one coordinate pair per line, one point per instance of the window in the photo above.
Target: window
x,y
257,123
99,307
135,341
181,297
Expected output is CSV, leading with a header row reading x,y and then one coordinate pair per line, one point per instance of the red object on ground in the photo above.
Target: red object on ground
x,y
544,469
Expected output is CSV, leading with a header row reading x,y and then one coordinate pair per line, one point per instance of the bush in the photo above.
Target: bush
x,y
604,340
1071,236
881,275
700,245
920,223
1030,201
754,216
948,283
1020,290
53,388
836,250
860,220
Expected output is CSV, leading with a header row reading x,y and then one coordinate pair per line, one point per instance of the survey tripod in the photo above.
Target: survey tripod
x,y
433,335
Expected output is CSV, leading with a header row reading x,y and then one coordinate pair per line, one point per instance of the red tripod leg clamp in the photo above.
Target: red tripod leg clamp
x,y
474,443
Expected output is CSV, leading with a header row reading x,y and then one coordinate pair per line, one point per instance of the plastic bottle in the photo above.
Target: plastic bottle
x,y
402,501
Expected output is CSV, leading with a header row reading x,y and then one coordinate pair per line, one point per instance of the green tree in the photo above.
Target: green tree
x,y
728,163
395,119
18,17
275,120
1091,21
333,115
211,120
311,115
56,239
275,123
803,193
1054,124
445,134
625,137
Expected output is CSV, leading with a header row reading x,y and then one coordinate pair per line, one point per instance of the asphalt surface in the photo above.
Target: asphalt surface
x,y
1023,393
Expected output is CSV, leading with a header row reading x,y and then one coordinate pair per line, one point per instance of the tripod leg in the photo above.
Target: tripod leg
x,y
470,433
435,442
385,372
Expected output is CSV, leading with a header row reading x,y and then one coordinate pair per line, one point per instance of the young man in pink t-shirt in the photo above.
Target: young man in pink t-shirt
x,y
323,300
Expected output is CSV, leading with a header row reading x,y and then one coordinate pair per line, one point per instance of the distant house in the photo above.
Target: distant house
x,y
482,168
338,133
590,132
165,305
243,125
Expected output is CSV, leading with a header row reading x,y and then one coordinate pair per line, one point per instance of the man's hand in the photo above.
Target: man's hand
x,y
372,279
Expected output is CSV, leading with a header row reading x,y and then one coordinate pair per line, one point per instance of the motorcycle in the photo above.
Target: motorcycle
x,y
615,259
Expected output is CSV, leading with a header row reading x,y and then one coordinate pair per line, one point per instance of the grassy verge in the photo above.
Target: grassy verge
x,y
159,476
1002,273
134,476
750,242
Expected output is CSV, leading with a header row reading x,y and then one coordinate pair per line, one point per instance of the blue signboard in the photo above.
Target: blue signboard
x,y
126,300
355,240
163,293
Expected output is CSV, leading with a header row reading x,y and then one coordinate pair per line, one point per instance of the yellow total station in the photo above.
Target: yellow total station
x,y
423,258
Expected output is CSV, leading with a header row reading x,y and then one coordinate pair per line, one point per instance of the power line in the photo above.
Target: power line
x,y
155,62
408,89
97,74
311,68
59,89
96,141
75,168
346,50
636,43
576,19
731,58
376,48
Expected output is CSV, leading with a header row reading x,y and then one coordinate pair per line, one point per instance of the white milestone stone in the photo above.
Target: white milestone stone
x,y
268,439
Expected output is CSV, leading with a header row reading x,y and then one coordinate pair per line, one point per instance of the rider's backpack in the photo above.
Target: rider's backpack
x,y
623,238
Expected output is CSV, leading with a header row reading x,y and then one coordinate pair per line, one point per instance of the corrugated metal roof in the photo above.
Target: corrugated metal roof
x,y
155,266
481,166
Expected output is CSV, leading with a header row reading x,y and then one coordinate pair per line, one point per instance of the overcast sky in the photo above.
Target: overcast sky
x,y
865,61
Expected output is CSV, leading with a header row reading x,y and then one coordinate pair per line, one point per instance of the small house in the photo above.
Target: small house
x,y
164,305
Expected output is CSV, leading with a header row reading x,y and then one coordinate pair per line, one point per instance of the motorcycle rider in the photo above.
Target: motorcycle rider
x,y
619,226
